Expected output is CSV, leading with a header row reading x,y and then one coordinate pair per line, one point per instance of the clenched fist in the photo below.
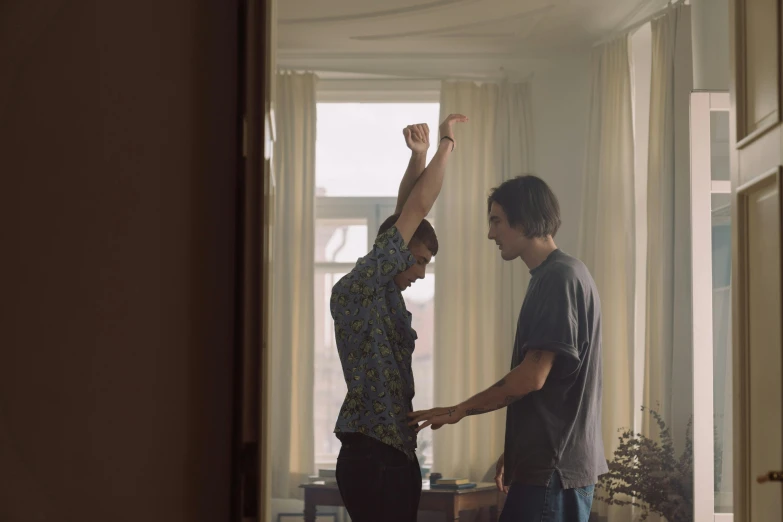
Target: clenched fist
x,y
417,137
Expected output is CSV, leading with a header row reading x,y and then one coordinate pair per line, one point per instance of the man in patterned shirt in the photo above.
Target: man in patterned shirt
x,y
377,471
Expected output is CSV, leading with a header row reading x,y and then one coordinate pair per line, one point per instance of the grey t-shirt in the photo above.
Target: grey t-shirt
x,y
558,428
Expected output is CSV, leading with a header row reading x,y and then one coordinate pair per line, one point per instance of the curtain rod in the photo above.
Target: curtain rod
x,y
501,75
633,27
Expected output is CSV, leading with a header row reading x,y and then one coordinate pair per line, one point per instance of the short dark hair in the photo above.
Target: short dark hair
x,y
424,233
528,201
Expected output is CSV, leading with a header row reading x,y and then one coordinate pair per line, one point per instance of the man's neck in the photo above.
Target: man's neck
x,y
539,250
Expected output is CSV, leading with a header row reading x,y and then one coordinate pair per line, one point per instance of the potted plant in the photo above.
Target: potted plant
x,y
647,474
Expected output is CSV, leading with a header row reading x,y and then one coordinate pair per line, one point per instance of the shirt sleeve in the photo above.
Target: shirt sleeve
x,y
391,255
555,326
353,296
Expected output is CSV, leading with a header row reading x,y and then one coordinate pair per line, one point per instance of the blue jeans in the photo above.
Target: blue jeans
x,y
549,503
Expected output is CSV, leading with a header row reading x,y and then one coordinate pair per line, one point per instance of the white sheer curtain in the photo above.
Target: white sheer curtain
x,y
607,239
668,365
291,313
472,331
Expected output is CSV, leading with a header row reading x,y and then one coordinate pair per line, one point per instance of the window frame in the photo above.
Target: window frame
x,y
341,89
337,88
702,189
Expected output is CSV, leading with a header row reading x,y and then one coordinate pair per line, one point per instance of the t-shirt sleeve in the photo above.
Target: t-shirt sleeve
x,y
554,327
390,255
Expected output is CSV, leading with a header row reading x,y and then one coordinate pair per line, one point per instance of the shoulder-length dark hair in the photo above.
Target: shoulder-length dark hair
x,y
528,201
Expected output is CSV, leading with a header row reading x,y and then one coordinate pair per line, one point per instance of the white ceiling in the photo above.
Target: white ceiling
x,y
456,38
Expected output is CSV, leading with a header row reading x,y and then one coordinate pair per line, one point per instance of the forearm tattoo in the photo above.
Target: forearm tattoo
x,y
536,356
509,400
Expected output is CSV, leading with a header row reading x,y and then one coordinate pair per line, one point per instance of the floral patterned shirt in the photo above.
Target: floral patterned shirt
x,y
375,342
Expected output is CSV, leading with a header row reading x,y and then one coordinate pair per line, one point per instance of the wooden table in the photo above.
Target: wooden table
x,y
448,502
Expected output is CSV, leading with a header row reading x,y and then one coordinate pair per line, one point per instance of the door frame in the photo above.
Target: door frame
x,y
743,474
251,473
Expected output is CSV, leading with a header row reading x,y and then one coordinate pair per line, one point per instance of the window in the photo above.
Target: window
x,y
711,236
720,235
360,159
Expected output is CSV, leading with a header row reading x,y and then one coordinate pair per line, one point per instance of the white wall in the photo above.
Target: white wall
x,y
560,108
710,25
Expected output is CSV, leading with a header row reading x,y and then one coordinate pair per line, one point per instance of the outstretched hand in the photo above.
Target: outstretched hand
x,y
436,417
417,137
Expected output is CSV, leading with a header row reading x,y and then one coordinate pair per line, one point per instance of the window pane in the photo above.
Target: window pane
x,y
360,150
719,146
720,201
721,331
340,240
330,386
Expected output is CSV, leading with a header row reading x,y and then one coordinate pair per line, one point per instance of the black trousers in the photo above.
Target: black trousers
x,y
377,482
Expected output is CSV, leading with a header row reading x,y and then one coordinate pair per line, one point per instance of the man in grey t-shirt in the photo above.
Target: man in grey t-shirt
x,y
553,449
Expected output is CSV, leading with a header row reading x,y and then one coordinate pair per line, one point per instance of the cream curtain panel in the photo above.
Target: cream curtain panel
x,y
514,156
668,365
475,291
607,238
292,316
608,235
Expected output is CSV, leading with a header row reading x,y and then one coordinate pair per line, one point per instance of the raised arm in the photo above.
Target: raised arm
x,y
428,186
417,138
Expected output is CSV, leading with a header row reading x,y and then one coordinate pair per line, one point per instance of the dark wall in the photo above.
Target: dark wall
x,y
117,214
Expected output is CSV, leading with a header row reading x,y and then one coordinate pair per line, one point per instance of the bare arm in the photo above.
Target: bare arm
x,y
428,186
412,174
526,378
417,139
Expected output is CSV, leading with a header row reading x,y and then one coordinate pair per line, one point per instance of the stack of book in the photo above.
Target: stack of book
x,y
453,483
325,476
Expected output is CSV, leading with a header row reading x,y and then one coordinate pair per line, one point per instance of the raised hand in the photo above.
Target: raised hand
x,y
425,191
417,137
447,127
